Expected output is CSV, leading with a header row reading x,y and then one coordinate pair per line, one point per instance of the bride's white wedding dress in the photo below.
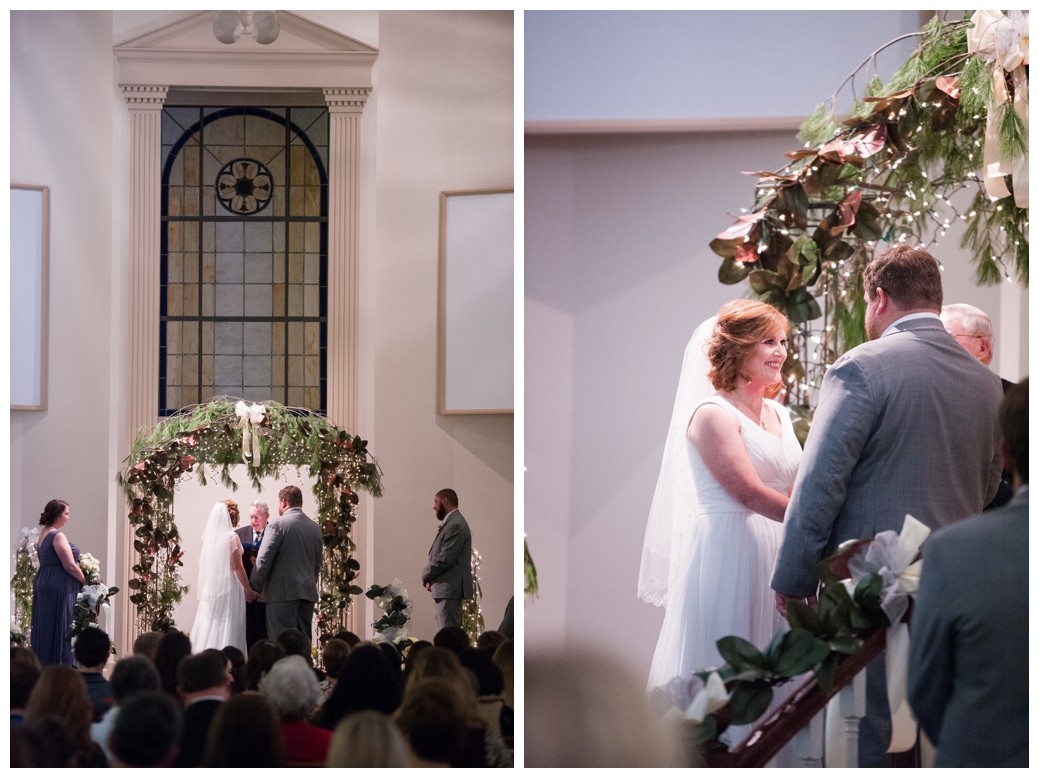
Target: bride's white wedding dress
x,y
220,619
722,584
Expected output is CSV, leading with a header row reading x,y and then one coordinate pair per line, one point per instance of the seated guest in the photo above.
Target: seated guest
x,y
237,659
968,661
262,657
432,723
411,656
293,641
173,647
24,676
245,733
454,638
291,689
130,675
334,657
351,639
369,681
367,739
61,692
146,731
26,654
490,640
146,644
204,684
43,742
91,650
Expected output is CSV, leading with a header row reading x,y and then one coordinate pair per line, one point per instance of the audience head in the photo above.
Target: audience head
x,y
43,742
503,659
245,733
368,681
367,739
92,649
1013,423
454,638
133,674
291,688
392,653
351,639
24,676
433,663
62,692
411,655
173,647
204,674
432,722
741,326
25,654
488,676
971,327
585,710
262,657
898,281
334,656
237,659
233,512
146,644
53,511
146,731
490,640
293,641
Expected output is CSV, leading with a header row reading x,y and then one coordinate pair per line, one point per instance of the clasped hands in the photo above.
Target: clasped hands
x,y
781,601
251,595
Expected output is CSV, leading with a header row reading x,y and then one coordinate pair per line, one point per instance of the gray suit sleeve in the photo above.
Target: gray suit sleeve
x,y
931,649
446,554
840,429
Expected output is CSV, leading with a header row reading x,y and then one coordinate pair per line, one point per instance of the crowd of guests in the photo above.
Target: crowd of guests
x,y
443,703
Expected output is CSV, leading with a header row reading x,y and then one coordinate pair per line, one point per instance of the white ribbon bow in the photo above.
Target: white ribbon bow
x,y
250,416
1002,42
709,699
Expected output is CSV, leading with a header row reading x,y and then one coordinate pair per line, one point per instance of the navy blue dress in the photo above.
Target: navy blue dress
x,y
53,597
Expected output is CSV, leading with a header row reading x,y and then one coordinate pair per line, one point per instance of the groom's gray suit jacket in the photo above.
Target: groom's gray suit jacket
x,y
449,570
906,423
289,560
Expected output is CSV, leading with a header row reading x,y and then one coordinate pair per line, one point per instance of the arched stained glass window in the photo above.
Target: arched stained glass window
x,y
243,306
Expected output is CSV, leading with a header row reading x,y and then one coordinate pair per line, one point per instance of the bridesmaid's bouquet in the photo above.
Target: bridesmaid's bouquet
x,y
91,597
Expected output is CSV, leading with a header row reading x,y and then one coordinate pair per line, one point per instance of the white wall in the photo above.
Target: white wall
x,y
61,130
440,118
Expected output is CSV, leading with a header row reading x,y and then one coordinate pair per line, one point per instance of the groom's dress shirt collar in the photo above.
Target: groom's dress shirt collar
x,y
910,317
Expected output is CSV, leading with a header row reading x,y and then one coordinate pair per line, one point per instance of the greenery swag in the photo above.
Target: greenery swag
x,y
902,167
268,438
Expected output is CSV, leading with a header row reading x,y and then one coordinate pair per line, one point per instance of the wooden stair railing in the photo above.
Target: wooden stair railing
x,y
797,712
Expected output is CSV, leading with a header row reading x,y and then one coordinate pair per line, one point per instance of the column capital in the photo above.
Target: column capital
x,y
346,99
144,96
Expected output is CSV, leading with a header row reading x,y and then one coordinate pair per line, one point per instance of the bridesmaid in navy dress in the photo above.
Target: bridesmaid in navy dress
x,y
54,589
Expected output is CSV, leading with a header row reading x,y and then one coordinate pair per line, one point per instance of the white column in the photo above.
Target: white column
x,y
344,175
142,380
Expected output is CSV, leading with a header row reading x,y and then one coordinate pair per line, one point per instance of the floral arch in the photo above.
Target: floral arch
x,y
267,438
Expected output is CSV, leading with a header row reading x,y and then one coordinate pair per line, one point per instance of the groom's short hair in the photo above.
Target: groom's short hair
x,y
292,496
911,277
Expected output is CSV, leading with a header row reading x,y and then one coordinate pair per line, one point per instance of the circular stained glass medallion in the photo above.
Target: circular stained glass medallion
x,y
244,186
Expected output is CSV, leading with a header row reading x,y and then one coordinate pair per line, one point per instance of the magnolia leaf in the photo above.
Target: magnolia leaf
x,y
732,272
792,202
845,644
749,701
799,651
761,281
741,654
867,223
826,673
801,306
800,616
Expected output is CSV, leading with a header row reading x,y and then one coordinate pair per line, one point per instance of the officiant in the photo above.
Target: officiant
x,y
251,537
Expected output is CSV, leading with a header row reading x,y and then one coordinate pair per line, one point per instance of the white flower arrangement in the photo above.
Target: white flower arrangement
x,y
91,568
91,597
394,600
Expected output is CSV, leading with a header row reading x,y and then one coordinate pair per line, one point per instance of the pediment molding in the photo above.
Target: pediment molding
x,y
185,54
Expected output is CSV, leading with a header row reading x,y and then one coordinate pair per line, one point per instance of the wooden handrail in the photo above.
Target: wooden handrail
x,y
795,714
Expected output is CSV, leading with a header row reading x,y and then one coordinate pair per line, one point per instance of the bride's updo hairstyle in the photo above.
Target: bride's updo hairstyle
x,y
741,325
232,508
52,511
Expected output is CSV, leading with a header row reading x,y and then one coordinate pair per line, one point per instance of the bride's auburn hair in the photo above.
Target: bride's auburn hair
x,y
741,325
232,509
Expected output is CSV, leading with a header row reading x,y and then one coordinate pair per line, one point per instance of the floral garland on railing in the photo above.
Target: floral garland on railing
x,y
26,562
92,597
952,119
267,438
866,586
392,626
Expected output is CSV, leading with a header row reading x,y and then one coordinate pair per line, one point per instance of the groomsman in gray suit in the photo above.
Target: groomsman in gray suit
x,y
968,662
448,575
906,423
287,566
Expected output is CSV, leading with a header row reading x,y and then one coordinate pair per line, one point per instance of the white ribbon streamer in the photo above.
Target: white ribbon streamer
x,y
250,417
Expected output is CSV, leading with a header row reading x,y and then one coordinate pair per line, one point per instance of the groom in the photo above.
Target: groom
x,y
906,423
288,565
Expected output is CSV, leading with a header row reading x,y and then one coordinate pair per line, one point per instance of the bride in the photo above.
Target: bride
x,y
715,525
223,588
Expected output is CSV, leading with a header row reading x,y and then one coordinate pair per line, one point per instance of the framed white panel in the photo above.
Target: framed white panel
x,y
30,238
475,317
